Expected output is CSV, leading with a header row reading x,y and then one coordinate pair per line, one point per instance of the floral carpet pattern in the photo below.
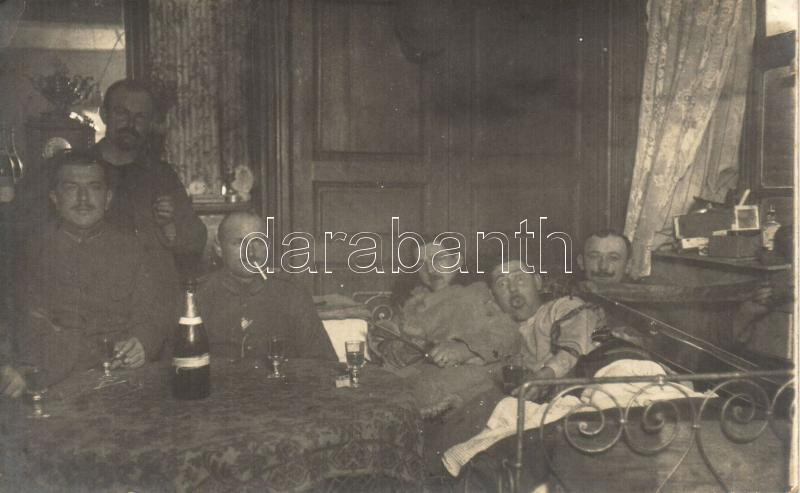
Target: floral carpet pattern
x,y
250,434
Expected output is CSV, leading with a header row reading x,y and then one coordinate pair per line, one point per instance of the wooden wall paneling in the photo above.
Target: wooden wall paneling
x,y
516,118
364,130
369,96
591,72
335,203
515,112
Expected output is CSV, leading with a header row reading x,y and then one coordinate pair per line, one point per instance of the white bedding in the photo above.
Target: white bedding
x,y
503,421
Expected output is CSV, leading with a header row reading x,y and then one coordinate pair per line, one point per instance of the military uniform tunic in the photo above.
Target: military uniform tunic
x,y
239,315
79,287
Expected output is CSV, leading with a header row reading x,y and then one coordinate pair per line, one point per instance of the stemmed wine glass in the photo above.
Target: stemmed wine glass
x,y
250,355
249,349
36,381
276,351
109,356
355,359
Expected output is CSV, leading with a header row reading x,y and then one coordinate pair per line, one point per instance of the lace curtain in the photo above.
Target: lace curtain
x,y
693,99
199,48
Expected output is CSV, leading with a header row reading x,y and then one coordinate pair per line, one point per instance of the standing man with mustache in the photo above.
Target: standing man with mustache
x,y
149,197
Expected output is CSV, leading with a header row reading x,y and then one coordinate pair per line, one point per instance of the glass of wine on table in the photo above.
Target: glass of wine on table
x,y
110,355
36,382
276,352
355,359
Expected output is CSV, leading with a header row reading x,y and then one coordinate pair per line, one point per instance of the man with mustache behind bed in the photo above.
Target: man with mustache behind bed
x,y
605,257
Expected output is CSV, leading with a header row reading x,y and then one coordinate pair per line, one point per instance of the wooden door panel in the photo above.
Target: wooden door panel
x,y
355,207
367,140
501,206
370,96
516,74
477,138
518,100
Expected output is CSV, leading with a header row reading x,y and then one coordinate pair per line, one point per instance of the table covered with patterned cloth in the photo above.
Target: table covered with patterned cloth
x,y
250,434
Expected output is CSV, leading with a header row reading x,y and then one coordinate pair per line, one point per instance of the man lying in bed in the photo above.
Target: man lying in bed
x,y
554,333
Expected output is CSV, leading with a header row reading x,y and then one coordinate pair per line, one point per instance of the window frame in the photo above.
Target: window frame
x,y
769,52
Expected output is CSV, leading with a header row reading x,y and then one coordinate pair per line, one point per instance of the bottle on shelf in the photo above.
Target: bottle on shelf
x,y
191,368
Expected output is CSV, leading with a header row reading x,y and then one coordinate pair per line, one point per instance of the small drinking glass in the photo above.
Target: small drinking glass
x,y
355,359
250,355
513,373
276,352
36,382
108,346
110,356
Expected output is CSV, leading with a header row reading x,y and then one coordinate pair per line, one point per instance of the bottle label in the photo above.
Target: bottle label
x,y
190,321
191,363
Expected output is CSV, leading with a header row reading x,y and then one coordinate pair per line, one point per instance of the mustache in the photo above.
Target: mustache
x,y
83,208
602,274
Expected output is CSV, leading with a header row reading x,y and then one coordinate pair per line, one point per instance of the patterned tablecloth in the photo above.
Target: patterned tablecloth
x,y
251,434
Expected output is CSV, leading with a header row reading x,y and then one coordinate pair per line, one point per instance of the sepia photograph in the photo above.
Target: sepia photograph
x,y
440,246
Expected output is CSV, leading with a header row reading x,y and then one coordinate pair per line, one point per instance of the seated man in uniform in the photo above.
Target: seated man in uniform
x,y
241,311
86,286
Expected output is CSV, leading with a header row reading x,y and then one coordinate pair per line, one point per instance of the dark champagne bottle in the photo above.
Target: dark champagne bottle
x,y
191,369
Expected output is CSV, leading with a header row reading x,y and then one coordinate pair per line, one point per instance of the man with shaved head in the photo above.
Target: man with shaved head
x,y
242,311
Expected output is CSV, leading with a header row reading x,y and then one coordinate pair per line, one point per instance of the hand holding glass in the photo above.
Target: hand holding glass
x,y
108,346
355,359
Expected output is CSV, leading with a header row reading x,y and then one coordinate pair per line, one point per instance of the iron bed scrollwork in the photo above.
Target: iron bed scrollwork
x,y
745,410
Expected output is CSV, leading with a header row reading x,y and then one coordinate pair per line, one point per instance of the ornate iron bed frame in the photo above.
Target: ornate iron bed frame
x,y
737,407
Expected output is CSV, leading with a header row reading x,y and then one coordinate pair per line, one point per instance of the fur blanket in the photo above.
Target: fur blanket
x,y
464,313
